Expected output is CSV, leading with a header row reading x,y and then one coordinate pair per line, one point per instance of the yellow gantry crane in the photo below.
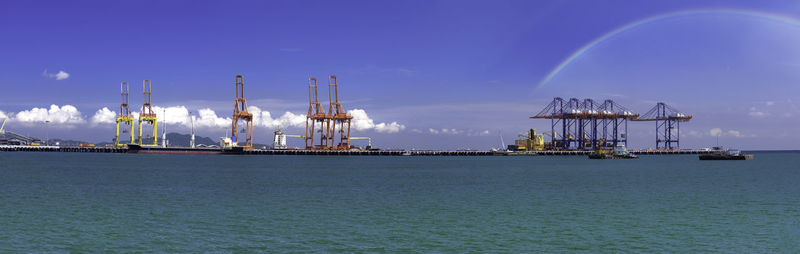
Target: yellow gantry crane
x,y
147,115
124,116
3,126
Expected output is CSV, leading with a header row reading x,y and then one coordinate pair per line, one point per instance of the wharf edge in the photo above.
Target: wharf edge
x,y
350,153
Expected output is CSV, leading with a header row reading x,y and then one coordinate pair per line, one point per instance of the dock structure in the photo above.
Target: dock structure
x,y
74,149
356,152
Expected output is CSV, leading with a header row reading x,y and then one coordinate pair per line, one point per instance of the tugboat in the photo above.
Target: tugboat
x,y
730,154
620,152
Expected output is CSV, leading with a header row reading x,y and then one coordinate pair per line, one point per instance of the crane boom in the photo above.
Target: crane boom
x,y
2,127
369,140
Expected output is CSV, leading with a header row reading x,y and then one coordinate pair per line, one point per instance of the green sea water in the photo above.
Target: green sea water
x,y
81,202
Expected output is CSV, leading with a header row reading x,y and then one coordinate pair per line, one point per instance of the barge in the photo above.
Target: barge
x,y
734,155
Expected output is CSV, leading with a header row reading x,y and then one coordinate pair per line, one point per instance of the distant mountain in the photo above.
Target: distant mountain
x,y
177,139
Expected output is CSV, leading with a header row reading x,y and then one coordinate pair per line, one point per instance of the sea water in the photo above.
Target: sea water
x,y
83,202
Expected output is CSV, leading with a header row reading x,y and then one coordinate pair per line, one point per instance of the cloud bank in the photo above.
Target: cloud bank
x,y
208,118
361,121
104,115
714,132
66,114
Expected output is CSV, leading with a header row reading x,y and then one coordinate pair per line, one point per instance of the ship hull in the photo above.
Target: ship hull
x,y
181,150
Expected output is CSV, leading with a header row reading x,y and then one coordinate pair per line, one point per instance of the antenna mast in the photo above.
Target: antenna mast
x,y
191,141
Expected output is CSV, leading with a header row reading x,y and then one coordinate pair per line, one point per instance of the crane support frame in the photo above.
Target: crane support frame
x,y
147,116
124,115
240,113
317,121
338,117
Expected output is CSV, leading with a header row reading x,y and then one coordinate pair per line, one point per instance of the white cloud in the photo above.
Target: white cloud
x,y
209,118
445,131
729,133
392,127
264,119
173,115
715,132
61,75
451,131
770,103
104,115
361,121
755,113
3,115
66,114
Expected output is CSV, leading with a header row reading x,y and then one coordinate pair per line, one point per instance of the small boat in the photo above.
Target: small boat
x,y
727,155
620,152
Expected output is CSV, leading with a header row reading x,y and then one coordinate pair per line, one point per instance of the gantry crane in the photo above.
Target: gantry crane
x,y
668,125
124,116
315,116
338,117
369,141
147,115
586,125
2,130
240,113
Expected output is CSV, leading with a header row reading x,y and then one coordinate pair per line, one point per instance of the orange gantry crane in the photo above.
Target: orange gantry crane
x,y
240,113
316,116
338,117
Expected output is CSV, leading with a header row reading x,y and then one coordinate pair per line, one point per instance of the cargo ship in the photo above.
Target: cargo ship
x,y
183,150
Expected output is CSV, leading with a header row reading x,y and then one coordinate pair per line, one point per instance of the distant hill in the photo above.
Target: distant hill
x,y
177,139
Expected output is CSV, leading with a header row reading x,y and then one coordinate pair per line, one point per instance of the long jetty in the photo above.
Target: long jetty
x,y
76,149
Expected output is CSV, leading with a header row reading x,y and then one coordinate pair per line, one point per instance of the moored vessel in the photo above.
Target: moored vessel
x,y
735,155
183,150
619,152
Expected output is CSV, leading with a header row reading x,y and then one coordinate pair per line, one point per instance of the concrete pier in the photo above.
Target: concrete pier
x,y
357,152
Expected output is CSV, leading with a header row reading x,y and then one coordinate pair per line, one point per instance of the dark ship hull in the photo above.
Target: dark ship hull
x,y
182,150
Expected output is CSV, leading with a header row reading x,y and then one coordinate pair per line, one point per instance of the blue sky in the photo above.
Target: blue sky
x,y
414,68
